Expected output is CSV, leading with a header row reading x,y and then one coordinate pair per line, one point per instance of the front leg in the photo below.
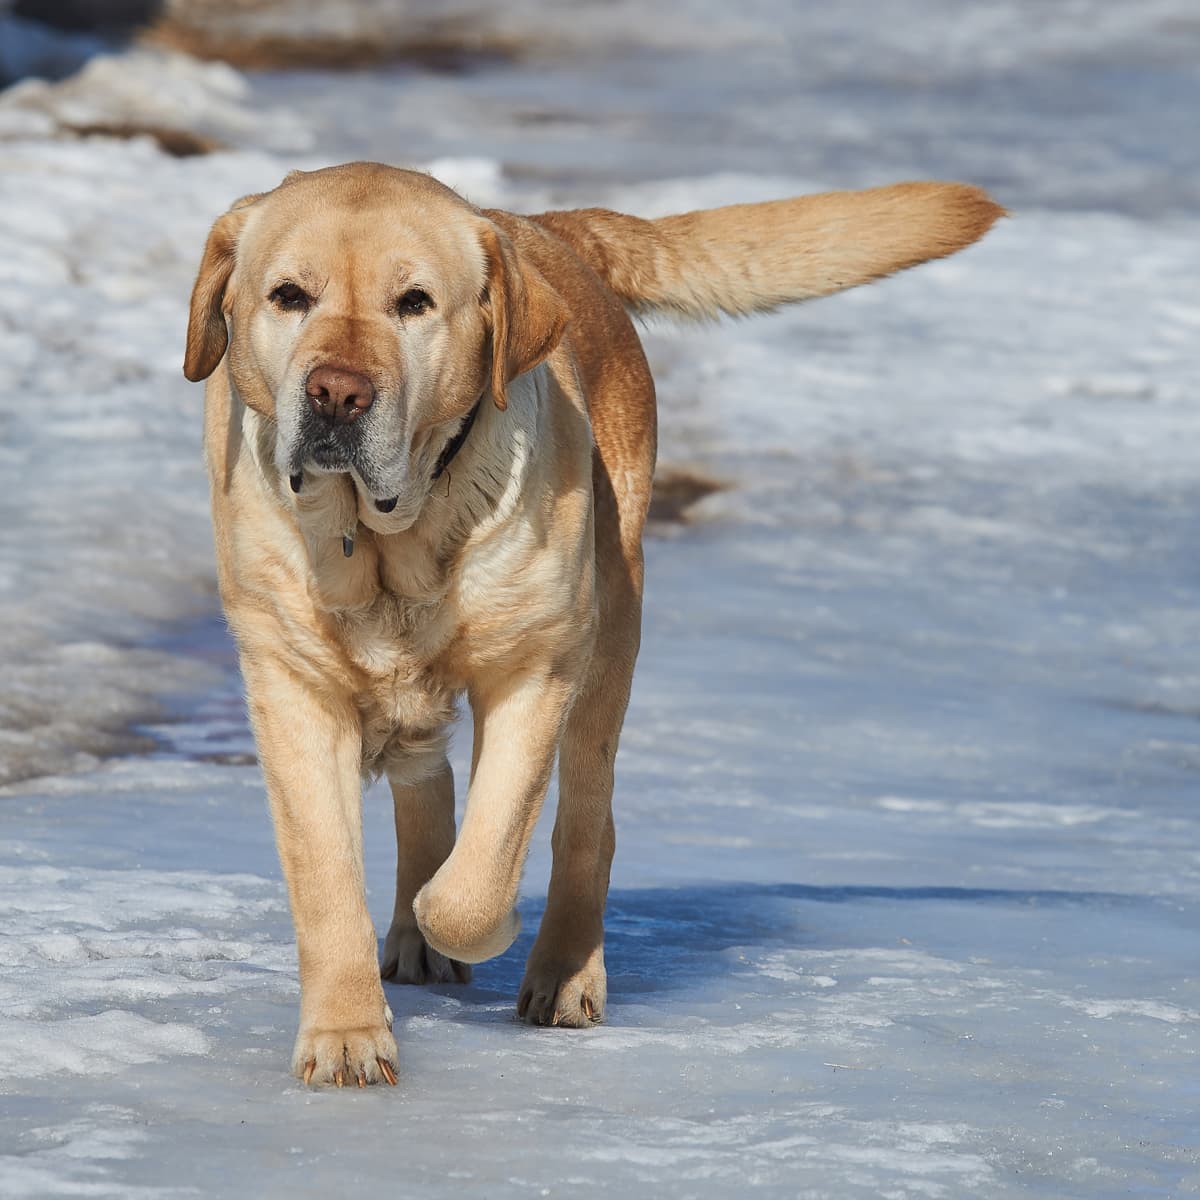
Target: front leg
x,y
424,838
310,747
466,911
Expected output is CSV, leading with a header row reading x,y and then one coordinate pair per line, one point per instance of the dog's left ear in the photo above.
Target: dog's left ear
x,y
207,337
527,315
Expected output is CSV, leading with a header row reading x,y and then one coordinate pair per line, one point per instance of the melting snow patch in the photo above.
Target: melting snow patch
x,y
33,900
95,1045
1154,1010
82,1158
78,943
157,88
907,804
1029,815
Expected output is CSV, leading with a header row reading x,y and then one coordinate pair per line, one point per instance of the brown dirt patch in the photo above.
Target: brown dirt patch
x,y
449,47
180,143
677,490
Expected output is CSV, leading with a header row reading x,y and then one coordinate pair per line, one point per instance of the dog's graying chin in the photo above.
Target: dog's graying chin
x,y
375,451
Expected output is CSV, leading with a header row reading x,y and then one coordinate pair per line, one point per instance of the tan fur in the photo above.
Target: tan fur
x,y
749,258
515,578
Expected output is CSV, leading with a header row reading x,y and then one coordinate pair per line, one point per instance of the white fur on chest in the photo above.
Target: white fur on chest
x,y
399,643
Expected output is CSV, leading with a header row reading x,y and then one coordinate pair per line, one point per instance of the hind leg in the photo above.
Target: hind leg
x,y
565,982
424,838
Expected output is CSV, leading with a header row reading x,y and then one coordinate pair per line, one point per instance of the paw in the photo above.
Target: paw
x,y
461,928
408,958
554,994
346,1056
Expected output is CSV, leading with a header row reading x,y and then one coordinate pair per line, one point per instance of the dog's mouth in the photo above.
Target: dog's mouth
x,y
347,449
326,446
327,457
336,449
339,454
335,461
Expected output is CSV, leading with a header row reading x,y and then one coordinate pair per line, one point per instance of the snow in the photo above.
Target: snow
x,y
908,875
159,89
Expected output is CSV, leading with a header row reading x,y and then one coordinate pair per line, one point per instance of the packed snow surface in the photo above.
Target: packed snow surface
x,y
907,889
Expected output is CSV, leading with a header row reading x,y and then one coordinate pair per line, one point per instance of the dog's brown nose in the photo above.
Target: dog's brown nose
x,y
338,394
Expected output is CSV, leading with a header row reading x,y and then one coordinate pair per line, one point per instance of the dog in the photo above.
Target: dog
x,y
430,433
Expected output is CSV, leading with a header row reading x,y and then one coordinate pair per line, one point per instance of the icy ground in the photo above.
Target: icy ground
x,y
920,918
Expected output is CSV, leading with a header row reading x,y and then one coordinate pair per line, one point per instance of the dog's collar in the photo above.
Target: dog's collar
x,y
455,444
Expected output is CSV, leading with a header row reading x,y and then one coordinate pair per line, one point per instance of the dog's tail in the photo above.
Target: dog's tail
x,y
754,257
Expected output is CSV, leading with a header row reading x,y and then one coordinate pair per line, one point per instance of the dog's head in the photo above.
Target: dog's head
x,y
365,310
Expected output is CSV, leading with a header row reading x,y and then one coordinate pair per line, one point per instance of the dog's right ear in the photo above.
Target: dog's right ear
x,y
207,336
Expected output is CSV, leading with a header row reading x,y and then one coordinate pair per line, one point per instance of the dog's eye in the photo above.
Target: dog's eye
x,y
413,303
292,297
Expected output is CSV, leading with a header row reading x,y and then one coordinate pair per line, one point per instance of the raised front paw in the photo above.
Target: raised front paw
x,y
408,958
557,993
346,1056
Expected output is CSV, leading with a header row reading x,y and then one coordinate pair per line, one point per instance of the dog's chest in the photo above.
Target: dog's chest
x,y
399,641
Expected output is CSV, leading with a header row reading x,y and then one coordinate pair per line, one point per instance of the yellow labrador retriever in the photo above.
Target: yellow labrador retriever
x,y
430,431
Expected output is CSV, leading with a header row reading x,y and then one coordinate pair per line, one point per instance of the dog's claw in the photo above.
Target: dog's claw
x,y
589,1010
362,1077
309,1068
386,1068
339,1077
